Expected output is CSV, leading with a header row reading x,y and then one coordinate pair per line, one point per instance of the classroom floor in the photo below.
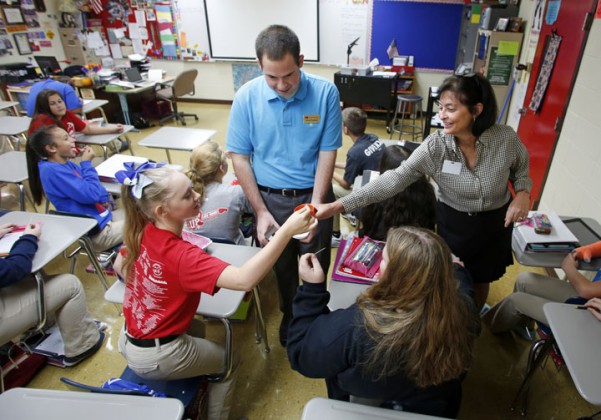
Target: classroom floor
x,y
268,389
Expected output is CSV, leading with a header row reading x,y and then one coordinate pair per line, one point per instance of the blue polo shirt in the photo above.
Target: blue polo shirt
x,y
70,98
284,136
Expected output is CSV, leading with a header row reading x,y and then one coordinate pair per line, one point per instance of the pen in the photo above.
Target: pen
x,y
586,307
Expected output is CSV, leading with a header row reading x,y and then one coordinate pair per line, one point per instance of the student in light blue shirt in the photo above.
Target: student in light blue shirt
x,y
72,101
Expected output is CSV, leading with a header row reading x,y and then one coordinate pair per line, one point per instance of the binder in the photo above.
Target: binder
x,y
560,240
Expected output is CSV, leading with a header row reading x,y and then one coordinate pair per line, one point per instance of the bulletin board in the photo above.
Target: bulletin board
x,y
427,30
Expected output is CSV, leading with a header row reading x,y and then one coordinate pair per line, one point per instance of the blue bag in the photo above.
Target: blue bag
x,y
119,384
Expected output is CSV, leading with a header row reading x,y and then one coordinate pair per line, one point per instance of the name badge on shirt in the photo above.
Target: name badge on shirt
x,y
450,167
311,119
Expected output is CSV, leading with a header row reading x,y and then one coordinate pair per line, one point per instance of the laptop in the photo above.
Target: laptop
x,y
133,76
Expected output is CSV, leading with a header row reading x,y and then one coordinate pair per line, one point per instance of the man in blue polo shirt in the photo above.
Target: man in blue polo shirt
x,y
283,133
72,101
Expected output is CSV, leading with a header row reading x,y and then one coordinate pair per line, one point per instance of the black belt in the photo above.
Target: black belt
x,y
286,192
150,342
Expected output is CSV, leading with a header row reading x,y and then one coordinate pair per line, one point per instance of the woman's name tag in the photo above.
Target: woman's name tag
x,y
450,167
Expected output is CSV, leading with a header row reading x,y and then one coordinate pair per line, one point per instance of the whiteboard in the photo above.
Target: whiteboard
x,y
233,25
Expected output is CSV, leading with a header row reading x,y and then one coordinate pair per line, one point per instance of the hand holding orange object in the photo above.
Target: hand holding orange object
x,y
313,212
588,252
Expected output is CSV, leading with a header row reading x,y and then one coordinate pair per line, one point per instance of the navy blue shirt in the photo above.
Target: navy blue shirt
x,y
364,155
18,262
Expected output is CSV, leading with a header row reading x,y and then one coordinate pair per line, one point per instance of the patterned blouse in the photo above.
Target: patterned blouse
x,y
501,157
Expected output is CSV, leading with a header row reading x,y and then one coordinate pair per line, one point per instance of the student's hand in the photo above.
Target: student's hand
x,y
88,153
299,222
327,210
570,263
594,307
264,222
6,228
118,128
34,229
310,270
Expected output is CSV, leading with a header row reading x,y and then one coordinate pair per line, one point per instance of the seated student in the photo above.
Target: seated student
x,y
408,339
50,109
533,290
222,205
364,154
165,277
71,187
63,293
414,206
72,101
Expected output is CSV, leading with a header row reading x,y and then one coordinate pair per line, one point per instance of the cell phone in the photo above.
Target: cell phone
x,y
270,232
541,224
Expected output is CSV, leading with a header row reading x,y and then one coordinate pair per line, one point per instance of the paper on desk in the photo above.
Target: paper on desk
x,y
7,242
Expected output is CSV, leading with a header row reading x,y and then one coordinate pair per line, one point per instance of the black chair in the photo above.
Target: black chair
x,y
182,86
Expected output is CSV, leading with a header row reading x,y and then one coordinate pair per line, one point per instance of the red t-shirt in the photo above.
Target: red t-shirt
x,y
162,297
70,122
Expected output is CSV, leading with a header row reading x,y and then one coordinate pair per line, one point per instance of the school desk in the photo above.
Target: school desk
x,y
222,304
585,229
103,139
323,408
177,138
90,105
578,334
122,93
13,170
9,104
58,233
45,404
13,127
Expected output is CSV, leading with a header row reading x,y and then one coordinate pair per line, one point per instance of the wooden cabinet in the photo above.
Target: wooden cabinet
x,y
495,57
75,50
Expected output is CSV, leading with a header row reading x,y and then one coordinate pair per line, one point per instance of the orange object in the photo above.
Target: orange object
x,y
588,252
313,210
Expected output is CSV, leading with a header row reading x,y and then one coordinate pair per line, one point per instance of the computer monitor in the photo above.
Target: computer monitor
x,y
48,64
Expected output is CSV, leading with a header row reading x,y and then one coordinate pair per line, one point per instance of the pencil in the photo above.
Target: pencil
x,y
320,250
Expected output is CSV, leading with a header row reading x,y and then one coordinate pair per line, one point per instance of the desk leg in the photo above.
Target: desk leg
x,y
168,155
537,356
129,144
228,358
124,107
105,151
86,244
21,197
260,329
41,301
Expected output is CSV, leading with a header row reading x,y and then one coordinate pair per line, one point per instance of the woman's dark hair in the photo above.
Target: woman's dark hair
x,y
276,41
42,105
471,90
414,206
35,150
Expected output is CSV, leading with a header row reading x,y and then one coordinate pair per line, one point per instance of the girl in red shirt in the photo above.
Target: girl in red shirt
x,y
50,109
165,276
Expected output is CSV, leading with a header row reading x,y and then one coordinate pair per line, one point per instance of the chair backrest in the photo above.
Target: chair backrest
x,y
184,83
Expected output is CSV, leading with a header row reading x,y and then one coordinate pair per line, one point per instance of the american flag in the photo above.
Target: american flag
x,y
96,6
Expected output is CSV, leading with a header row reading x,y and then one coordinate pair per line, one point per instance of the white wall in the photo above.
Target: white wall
x,y
574,183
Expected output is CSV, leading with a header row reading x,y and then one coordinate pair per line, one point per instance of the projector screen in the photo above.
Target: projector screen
x,y
233,25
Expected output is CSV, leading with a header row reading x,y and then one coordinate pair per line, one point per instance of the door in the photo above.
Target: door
x,y
539,131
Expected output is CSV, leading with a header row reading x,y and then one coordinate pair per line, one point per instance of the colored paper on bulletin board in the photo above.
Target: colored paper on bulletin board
x,y
552,11
182,40
476,12
169,51
508,48
499,68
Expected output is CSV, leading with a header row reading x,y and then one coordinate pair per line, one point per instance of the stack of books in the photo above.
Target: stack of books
x,y
561,240
347,274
